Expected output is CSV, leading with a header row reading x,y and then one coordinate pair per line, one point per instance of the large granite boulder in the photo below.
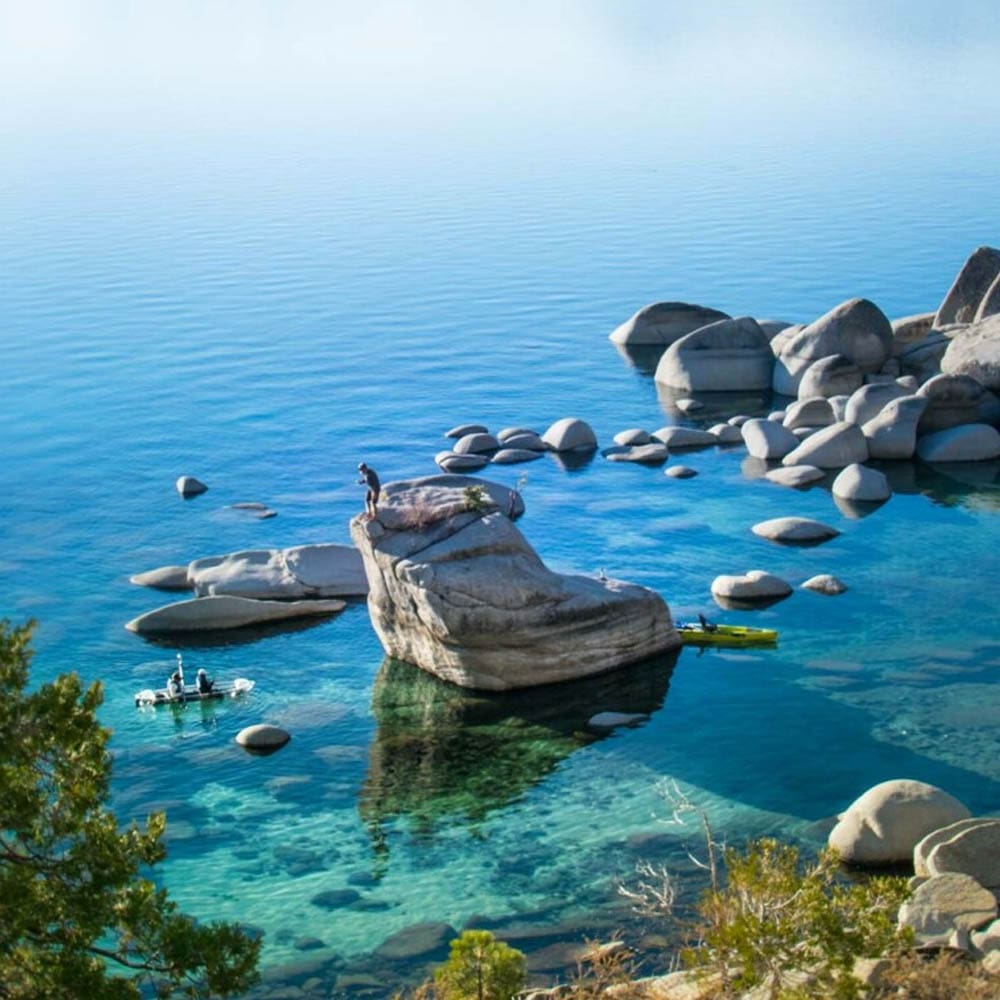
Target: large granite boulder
x,y
664,322
910,330
923,849
676,438
511,456
755,585
885,824
861,484
869,400
857,329
477,443
989,304
945,903
969,287
570,434
951,400
969,443
731,354
973,850
163,578
282,574
767,439
453,462
831,376
892,432
831,447
795,476
975,352
816,411
923,359
457,590
210,613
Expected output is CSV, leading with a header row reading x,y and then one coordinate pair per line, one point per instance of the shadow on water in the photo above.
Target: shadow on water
x,y
644,357
214,638
716,407
442,751
573,461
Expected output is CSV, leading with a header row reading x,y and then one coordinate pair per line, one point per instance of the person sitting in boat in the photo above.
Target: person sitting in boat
x,y
175,686
706,624
202,682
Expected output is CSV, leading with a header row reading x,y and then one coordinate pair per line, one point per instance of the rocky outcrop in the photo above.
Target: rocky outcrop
x,y
831,447
923,849
951,400
730,354
885,824
856,329
969,443
831,376
570,434
209,613
457,590
664,322
976,352
284,574
947,903
961,303
910,330
973,850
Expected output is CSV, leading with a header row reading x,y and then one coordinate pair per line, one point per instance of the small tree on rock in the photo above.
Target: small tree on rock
x,y
78,916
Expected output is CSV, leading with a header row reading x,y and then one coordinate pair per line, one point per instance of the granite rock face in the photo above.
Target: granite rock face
x,y
730,354
962,301
664,322
457,590
976,352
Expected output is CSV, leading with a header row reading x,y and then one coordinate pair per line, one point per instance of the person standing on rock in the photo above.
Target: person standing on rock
x,y
370,478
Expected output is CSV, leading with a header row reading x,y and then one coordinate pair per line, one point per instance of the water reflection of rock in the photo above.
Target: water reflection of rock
x,y
716,406
441,751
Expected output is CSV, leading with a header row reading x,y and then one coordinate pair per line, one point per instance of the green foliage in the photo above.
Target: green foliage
x,y
480,968
794,930
476,498
77,916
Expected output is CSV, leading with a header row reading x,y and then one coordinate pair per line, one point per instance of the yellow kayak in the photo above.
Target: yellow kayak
x,y
707,634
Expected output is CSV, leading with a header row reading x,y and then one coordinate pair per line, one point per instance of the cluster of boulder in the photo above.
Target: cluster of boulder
x,y
864,386
254,586
955,858
456,589
475,447
638,445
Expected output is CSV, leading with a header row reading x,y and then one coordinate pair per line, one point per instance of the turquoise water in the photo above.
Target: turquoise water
x,y
263,300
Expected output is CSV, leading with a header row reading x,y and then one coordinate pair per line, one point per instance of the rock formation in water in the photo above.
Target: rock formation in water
x,y
456,589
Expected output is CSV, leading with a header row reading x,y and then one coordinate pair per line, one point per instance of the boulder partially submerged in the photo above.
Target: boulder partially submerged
x,y
210,613
456,589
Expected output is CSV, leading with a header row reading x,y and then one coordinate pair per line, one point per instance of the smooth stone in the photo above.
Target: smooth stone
x,y
417,940
475,444
505,433
831,447
838,404
686,405
834,375
335,899
976,352
524,440
262,737
952,400
860,483
570,434
751,586
511,456
726,433
684,437
164,578
188,486
910,330
738,420
664,322
974,851
646,454
731,354
972,282
824,583
794,475
815,411
968,443
946,902
939,836
205,613
632,436
892,432
794,529
768,439
868,401
680,472
884,824
323,570
856,329
611,720
464,429
462,594
452,462
307,943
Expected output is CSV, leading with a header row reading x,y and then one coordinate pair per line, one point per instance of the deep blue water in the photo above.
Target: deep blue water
x,y
263,304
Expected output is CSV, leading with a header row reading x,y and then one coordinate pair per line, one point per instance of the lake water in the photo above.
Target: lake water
x,y
262,278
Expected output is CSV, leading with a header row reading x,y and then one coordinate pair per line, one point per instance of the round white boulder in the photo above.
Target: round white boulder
x,y
768,439
885,824
858,482
634,435
824,583
795,476
794,529
262,737
754,585
570,434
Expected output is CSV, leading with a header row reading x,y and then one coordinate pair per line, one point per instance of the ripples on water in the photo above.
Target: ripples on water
x,y
264,325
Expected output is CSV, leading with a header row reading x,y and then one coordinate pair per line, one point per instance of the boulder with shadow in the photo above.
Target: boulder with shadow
x,y
661,323
731,354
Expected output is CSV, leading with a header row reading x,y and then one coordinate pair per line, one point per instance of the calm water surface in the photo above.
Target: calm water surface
x,y
265,305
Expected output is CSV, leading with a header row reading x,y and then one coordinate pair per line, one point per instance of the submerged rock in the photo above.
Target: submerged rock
x,y
262,737
206,613
824,583
794,529
457,590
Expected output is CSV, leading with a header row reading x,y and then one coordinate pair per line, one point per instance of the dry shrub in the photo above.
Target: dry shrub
x,y
946,976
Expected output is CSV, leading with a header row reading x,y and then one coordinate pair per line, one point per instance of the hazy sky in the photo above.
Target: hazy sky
x,y
154,63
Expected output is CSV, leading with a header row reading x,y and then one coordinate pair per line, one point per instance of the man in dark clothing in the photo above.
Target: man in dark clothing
x,y
370,478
